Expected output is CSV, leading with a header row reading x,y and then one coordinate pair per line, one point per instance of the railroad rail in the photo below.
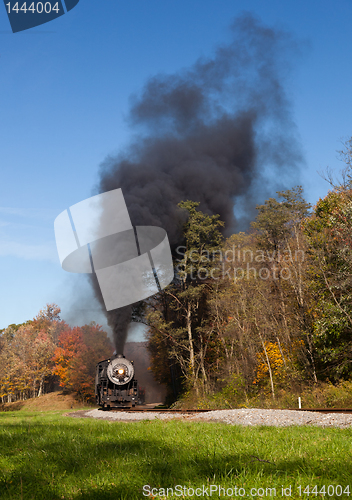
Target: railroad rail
x,y
157,410
324,410
164,410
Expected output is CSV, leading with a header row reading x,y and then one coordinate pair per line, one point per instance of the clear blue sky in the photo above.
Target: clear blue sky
x,y
65,89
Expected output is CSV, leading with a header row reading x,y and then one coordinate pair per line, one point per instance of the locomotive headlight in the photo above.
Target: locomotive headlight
x,y
120,371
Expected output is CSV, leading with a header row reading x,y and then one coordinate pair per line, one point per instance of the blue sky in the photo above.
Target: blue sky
x,y
65,90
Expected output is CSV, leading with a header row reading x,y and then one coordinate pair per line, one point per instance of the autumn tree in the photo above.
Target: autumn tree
x,y
69,345
97,346
280,235
329,231
26,361
78,351
178,316
230,310
34,353
259,306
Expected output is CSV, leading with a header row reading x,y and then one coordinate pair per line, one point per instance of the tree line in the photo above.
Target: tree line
x,y
263,310
43,353
255,313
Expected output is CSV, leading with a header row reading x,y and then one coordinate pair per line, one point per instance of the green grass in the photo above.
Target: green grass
x,y
48,456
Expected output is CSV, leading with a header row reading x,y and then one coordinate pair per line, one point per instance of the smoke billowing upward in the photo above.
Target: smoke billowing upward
x,y
118,320
208,134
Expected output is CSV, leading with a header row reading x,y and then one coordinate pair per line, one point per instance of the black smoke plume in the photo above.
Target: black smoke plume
x,y
210,133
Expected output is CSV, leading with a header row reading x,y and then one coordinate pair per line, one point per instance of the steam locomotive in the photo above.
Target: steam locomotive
x,y
115,385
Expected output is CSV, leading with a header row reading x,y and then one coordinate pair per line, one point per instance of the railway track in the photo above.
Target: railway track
x,y
325,410
164,410
157,410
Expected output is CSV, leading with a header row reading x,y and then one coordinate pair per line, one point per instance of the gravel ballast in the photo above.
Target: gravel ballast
x,y
246,416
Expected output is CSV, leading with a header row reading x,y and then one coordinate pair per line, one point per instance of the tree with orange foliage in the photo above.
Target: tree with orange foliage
x,y
70,344
79,350
31,353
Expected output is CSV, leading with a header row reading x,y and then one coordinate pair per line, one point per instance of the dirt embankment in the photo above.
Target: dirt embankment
x,y
48,402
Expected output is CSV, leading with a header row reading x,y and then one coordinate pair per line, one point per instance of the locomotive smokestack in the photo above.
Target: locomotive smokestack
x,y
207,134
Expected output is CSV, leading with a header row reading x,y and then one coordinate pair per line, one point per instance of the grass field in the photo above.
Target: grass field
x,y
45,455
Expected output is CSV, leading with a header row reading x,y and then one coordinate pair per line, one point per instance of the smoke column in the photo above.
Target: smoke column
x,y
209,134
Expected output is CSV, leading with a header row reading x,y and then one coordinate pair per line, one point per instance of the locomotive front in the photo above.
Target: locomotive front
x,y
115,385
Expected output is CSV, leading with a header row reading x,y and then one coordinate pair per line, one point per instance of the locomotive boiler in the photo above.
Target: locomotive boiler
x,y
115,385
